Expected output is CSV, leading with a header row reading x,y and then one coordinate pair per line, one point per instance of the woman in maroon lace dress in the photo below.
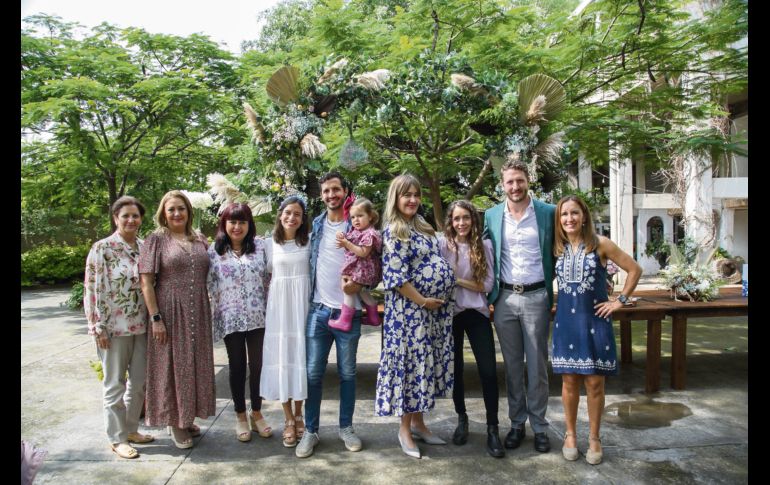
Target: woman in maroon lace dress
x,y
173,264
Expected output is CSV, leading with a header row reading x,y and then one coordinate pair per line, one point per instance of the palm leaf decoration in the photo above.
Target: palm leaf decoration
x,y
530,88
282,85
260,205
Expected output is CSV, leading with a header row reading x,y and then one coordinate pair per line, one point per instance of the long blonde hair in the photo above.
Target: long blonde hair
x,y
161,223
587,232
477,256
400,228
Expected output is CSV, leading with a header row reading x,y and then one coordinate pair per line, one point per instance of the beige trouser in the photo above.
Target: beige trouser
x,y
123,398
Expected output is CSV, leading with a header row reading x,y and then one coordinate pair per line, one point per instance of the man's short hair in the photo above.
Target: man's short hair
x,y
514,165
334,175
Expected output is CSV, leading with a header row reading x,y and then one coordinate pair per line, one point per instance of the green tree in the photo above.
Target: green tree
x,y
639,76
121,111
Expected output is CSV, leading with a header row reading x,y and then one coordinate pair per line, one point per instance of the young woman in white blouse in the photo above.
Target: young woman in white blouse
x,y
237,284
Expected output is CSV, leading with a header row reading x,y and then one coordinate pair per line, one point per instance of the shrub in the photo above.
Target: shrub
x,y
53,264
75,301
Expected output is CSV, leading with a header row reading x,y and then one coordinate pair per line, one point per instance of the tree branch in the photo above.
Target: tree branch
x,y
434,14
476,186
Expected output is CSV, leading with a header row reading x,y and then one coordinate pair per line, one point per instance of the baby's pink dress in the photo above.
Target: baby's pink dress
x,y
364,271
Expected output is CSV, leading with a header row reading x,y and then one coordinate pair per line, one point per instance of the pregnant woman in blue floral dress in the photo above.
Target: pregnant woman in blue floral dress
x,y
417,355
583,340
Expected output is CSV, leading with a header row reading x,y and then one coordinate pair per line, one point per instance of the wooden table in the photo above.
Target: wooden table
x,y
653,306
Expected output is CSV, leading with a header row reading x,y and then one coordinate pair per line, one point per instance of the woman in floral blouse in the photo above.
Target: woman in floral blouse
x,y
237,284
117,318
417,355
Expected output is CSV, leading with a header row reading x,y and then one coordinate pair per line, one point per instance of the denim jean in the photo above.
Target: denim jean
x,y
318,343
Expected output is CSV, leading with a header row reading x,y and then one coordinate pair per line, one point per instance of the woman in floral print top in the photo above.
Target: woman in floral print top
x,y
117,318
237,284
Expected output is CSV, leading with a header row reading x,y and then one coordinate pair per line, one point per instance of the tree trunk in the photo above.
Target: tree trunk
x,y
113,195
435,197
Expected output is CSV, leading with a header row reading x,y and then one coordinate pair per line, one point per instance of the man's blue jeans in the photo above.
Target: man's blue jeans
x,y
318,343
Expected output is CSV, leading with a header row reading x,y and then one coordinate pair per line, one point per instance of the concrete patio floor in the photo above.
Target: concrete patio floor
x,y
697,435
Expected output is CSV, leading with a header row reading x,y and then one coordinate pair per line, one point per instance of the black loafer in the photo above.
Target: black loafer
x,y
514,438
460,436
542,443
494,447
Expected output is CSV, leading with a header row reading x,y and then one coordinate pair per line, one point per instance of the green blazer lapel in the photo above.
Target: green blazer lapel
x,y
542,223
500,216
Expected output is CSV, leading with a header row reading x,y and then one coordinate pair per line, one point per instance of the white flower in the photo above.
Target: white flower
x,y
199,200
374,80
311,146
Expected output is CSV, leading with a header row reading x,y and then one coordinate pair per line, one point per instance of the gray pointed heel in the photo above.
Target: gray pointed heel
x,y
413,452
430,439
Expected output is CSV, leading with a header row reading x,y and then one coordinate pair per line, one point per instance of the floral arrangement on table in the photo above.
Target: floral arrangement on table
x,y
685,278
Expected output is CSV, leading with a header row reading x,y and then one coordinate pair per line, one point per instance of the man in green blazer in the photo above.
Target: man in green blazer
x,y
521,230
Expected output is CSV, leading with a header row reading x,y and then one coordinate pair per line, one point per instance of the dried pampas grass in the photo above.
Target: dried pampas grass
x,y
311,146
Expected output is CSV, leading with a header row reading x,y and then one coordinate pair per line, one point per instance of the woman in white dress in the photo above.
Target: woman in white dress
x,y
284,371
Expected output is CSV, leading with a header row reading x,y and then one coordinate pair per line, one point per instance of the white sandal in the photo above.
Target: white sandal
x,y
184,442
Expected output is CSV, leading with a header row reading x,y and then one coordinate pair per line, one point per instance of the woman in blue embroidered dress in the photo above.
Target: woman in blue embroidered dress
x,y
237,284
417,355
583,340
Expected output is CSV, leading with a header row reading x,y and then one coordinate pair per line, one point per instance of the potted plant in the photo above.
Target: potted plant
x,y
660,249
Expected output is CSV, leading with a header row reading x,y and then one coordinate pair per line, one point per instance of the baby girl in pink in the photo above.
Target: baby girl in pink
x,y
363,249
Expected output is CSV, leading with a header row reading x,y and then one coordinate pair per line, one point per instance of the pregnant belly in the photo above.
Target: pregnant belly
x,y
435,280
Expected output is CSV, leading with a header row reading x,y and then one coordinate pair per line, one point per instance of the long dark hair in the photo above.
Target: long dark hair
x,y
477,256
235,212
301,237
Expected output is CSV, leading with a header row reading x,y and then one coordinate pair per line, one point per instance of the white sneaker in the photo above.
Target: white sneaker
x,y
352,442
306,445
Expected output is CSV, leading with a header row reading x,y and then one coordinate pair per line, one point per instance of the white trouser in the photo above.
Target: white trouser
x,y
123,399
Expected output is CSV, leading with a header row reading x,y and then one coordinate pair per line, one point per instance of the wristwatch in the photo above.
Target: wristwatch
x,y
622,299
156,317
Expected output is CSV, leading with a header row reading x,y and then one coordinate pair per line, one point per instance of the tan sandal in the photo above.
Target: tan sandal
x,y
290,434
140,438
594,457
300,421
261,426
570,454
242,431
124,450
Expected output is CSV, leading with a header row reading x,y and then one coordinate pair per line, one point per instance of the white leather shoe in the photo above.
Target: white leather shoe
x,y
413,452
429,438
